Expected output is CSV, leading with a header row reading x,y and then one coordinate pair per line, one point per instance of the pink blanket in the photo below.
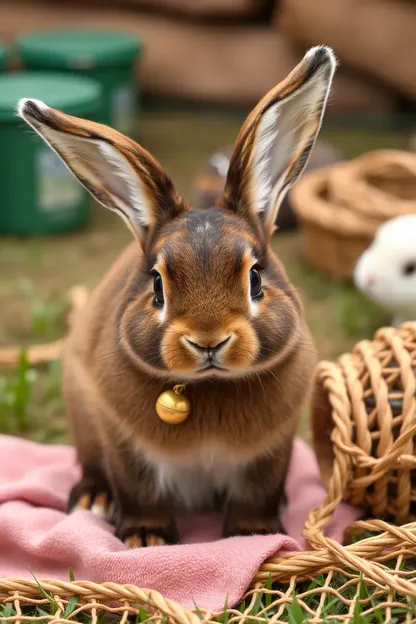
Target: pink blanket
x,y
36,534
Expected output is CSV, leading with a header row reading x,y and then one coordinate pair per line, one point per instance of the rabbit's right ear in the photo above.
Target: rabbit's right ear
x,y
120,174
276,139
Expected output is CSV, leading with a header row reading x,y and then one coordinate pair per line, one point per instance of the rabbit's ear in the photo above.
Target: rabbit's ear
x,y
275,141
120,174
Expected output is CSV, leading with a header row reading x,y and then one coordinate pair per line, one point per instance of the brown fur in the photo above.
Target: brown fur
x,y
129,347
110,405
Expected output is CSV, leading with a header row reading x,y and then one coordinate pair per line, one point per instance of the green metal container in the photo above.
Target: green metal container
x,y
3,57
108,57
39,195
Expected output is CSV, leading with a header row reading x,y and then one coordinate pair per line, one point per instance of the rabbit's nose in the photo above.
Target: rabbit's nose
x,y
370,282
210,349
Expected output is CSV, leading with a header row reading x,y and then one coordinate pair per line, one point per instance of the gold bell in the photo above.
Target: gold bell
x,y
172,406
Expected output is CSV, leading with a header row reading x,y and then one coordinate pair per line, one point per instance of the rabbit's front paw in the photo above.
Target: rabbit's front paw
x,y
138,533
93,496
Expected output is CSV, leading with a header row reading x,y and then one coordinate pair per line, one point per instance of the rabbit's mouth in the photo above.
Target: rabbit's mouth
x,y
210,367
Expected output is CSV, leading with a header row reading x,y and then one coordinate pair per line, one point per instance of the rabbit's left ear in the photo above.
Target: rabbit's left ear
x,y
275,141
118,172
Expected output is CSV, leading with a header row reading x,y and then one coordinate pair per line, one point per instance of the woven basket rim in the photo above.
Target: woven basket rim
x,y
302,565
355,206
314,211
351,185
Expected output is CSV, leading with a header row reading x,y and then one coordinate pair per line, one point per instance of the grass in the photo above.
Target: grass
x,y
31,402
355,316
30,398
47,318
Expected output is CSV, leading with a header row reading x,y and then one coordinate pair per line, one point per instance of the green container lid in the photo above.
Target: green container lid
x,y
78,49
72,94
3,56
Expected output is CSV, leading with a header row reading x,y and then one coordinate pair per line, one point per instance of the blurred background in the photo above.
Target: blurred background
x,y
180,76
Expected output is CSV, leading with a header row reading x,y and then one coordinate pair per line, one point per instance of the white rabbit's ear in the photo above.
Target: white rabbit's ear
x,y
275,141
120,174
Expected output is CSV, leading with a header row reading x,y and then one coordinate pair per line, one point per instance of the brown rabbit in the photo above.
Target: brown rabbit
x,y
199,298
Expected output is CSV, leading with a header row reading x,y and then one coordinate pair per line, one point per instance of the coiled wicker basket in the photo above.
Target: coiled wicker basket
x,y
365,415
364,433
341,207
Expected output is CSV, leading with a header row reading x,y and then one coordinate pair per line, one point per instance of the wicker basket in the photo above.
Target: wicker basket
x,y
341,207
365,413
377,185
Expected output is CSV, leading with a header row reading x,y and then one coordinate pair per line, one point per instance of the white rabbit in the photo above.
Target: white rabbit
x,y
386,271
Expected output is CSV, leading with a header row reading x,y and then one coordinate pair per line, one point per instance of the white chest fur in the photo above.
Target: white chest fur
x,y
194,481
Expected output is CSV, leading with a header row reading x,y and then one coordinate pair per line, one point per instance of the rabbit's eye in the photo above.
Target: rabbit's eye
x,y
409,268
255,283
158,290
